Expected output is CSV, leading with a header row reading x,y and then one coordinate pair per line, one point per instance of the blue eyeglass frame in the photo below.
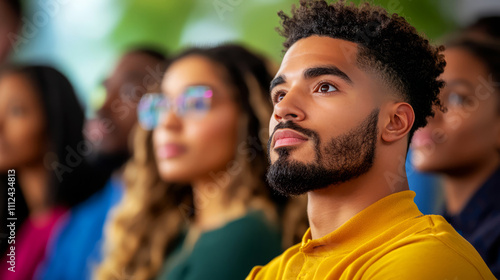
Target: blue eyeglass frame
x,y
194,101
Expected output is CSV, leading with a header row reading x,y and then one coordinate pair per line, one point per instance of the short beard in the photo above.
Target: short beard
x,y
343,158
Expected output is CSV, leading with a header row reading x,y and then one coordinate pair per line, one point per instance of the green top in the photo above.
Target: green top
x,y
228,252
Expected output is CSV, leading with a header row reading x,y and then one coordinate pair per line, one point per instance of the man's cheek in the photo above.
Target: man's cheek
x,y
273,156
272,124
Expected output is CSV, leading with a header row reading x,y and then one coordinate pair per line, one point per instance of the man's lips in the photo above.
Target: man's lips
x,y
287,137
170,150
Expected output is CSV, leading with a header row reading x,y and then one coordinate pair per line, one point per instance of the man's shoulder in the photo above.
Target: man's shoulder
x,y
436,234
429,259
433,250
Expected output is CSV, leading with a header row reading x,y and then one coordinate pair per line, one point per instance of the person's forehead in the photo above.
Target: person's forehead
x,y
17,87
460,62
189,71
462,69
131,68
135,63
318,50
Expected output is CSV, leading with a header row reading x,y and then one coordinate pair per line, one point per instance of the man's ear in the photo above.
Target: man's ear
x,y
399,123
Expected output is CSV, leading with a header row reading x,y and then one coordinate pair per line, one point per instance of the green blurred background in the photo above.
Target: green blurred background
x,y
84,38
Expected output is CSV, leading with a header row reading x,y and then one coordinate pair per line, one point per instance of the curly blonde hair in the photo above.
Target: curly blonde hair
x,y
152,213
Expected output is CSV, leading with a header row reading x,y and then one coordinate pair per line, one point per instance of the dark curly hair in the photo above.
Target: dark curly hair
x,y
386,43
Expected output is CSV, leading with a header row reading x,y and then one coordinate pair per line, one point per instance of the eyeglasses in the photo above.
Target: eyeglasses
x,y
194,102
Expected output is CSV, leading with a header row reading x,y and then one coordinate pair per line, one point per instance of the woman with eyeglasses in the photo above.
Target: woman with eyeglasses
x,y
196,205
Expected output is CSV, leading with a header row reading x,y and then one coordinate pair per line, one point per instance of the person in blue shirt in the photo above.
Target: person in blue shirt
x,y
427,188
76,250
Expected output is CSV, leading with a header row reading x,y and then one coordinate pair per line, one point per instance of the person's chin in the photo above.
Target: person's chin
x,y
108,146
294,154
424,165
171,164
171,173
422,161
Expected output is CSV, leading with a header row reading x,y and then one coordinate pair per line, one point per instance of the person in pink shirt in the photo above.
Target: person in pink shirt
x,y
42,162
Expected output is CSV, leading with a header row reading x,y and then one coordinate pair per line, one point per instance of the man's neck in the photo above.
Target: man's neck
x,y
330,208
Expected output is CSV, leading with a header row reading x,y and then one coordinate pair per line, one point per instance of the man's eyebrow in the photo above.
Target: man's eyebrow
x,y
326,70
277,81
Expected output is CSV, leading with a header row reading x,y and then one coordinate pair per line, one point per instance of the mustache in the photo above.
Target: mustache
x,y
293,126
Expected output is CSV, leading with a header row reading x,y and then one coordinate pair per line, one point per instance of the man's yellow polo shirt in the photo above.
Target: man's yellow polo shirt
x,y
390,239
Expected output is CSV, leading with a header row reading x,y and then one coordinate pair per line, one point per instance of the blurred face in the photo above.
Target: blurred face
x,y
23,139
134,76
189,147
468,134
324,127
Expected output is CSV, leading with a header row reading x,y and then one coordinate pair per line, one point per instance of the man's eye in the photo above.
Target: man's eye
x,y
279,96
325,88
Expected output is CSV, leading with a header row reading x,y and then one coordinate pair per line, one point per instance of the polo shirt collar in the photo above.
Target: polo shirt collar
x,y
364,226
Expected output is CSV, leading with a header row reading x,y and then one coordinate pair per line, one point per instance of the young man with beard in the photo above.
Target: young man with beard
x,y
354,85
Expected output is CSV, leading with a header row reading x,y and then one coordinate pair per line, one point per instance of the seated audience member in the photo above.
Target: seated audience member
x,y
41,142
463,144
196,205
76,249
353,86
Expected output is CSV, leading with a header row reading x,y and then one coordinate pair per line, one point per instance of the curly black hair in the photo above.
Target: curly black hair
x,y
386,43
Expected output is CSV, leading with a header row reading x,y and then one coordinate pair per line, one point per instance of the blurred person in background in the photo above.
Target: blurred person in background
x,y
463,144
486,28
138,71
41,139
76,249
10,24
196,205
428,187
